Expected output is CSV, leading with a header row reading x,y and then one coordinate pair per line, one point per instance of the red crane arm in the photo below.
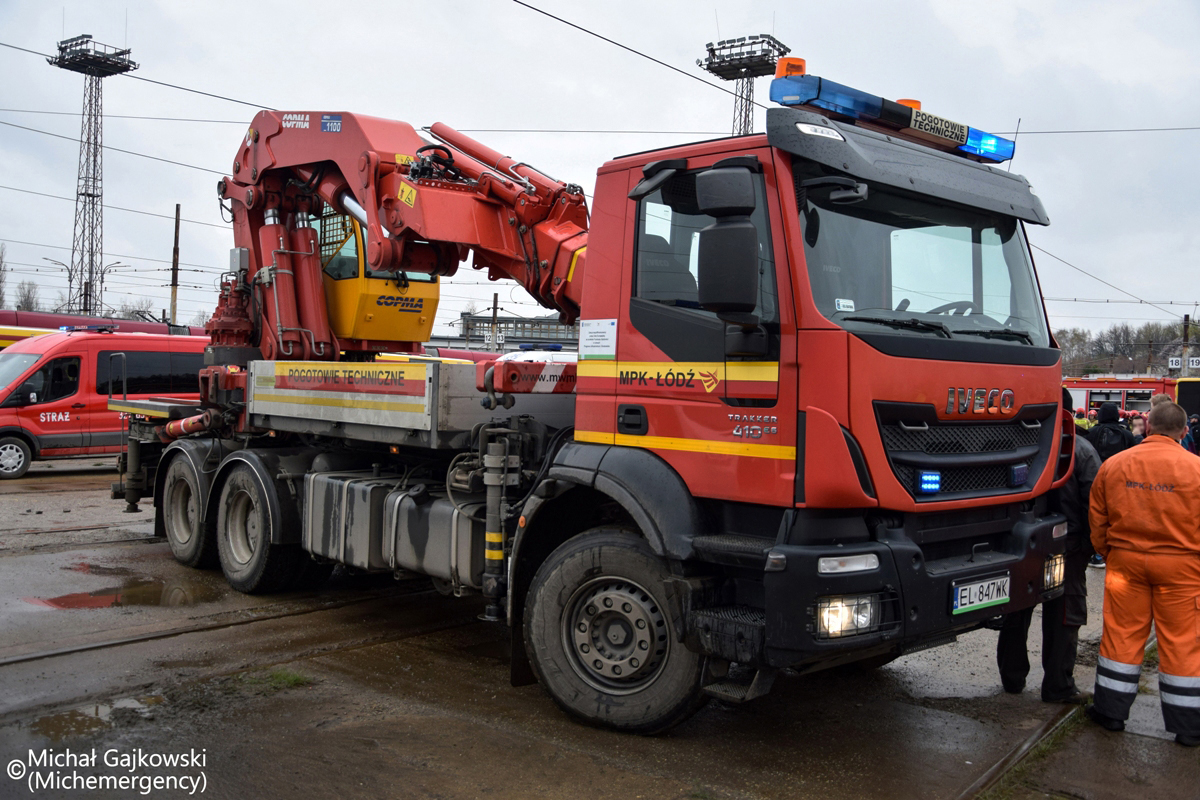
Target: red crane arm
x,y
423,206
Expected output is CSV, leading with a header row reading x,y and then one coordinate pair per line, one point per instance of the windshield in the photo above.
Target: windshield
x,y
13,364
920,268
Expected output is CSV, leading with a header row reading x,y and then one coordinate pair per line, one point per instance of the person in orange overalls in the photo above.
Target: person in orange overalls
x,y
1145,517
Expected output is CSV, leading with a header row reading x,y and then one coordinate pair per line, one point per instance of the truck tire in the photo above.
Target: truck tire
x,y
250,562
14,457
191,545
601,639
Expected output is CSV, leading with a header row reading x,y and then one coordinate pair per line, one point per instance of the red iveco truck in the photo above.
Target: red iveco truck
x,y
815,418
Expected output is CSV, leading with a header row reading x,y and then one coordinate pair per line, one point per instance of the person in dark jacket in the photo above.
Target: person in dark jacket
x,y
1063,616
1109,436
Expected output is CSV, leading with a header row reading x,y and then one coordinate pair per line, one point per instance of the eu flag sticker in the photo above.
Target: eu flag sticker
x,y
331,123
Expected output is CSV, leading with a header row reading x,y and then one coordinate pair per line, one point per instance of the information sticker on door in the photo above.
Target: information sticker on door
x,y
598,339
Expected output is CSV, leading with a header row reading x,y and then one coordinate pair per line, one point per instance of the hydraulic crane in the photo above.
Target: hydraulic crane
x,y
423,208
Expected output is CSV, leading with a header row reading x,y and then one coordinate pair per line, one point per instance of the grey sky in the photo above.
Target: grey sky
x,y
1119,202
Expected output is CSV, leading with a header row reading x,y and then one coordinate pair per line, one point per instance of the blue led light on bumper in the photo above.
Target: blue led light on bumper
x,y
1018,474
929,481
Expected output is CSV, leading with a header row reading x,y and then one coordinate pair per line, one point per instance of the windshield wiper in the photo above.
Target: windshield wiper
x,y
911,324
999,333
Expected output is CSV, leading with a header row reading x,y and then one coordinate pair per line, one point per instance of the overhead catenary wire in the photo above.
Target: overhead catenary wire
x,y
671,67
150,80
590,131
1101,280
114,208
110,147
115,255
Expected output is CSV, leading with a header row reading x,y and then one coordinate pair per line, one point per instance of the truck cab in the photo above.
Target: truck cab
x,y
874,442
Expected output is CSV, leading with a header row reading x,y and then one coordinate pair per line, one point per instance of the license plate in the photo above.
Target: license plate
x,y
977,594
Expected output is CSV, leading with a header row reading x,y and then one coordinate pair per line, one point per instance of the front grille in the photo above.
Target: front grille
x,y
973,458
963,479
963,437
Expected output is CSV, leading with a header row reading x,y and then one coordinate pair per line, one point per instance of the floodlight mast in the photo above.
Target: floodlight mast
x,y
95,61
743,60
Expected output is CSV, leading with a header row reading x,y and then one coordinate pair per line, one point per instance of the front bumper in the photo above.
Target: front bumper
x,y
915,591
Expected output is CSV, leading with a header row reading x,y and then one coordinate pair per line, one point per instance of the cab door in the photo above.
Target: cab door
x,y
49,405
681,392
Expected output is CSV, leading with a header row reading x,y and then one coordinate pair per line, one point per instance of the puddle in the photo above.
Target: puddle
x,y
90,718
141,591
99,569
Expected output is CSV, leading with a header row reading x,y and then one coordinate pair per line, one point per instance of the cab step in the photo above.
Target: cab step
x,y
733,690
733,549
734,633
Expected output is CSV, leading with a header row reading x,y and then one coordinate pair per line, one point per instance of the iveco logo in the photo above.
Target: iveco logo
x,y
980,401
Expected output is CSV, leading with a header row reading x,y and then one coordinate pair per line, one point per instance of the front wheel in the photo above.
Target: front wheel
x,y
601,639
245,527
14,457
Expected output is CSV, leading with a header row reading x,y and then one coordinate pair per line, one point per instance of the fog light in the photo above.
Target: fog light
x,y
860,563
848,615
1054,573
1059,530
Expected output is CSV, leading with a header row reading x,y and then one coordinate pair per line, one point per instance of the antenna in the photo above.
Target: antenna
x,y
85,276
743,60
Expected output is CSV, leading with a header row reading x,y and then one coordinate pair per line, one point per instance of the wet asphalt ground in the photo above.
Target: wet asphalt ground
x,y
374,687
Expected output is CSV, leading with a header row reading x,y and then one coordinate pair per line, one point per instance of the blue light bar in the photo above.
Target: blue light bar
x,y
811,90
929,481
989,146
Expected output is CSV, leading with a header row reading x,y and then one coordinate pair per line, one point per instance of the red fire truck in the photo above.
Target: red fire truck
x,y
1132,392
815,417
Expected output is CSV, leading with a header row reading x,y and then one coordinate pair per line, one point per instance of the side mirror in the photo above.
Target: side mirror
x,y
727,255
20,397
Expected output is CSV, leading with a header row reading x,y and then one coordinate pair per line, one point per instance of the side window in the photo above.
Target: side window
x,y
185,372
340,240
56,380
147,373
668,235
339,245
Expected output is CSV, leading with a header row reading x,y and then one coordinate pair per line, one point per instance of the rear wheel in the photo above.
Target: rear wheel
x,y
245,528
14,457
600,636
190,543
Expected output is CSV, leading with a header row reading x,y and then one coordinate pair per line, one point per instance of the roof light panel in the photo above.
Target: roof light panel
x,y
812,90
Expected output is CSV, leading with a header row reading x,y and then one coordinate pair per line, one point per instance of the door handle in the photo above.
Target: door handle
x,y
78,405
632,420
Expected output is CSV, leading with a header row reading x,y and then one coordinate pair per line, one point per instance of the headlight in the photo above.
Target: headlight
x,y
847,615
1054,572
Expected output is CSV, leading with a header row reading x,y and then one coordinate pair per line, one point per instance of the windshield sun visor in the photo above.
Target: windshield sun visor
x,y
881,159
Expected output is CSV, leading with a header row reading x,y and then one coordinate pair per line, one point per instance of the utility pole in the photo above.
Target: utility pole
x,y
1187,322
494,346
175,269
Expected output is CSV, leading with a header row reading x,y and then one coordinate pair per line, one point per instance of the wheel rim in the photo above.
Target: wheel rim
x,y
12,458
616,635
181,511
242,529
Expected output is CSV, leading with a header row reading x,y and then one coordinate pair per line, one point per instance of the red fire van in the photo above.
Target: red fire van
x,y
54,389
